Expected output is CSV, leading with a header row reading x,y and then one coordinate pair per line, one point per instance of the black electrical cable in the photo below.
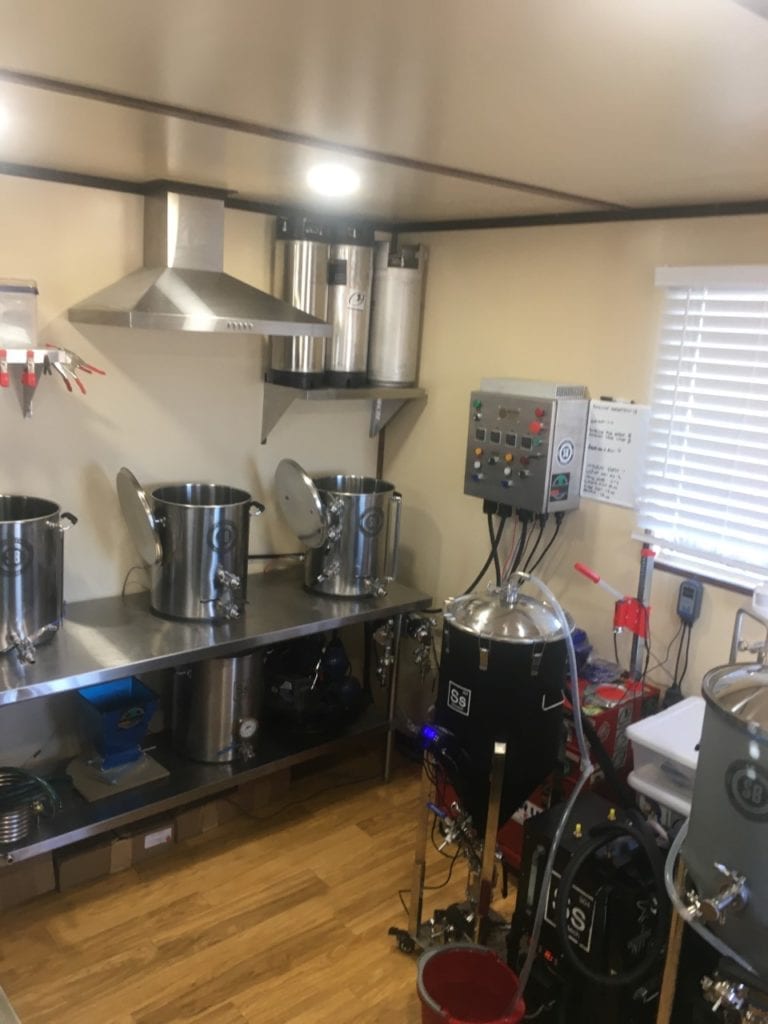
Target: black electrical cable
x,y
542,523
489,559
687,651
558,523
625,795
661,664
494,550
601,836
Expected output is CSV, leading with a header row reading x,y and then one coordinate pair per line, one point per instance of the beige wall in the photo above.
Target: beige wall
x,y
575,304
173,408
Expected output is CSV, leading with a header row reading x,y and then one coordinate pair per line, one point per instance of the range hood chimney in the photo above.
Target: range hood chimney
x,y
182,286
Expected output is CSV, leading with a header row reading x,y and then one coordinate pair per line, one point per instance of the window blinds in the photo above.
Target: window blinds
x,y
704,495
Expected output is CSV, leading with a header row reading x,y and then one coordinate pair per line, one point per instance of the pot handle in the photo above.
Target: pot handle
x,y
393,535
255,508
67,526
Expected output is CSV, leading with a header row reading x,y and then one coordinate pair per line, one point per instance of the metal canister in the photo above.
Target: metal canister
x,y
216,708
350,276
728,825
398,291
300,277
31,571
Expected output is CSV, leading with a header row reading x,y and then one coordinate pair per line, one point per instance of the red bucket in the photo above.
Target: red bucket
x,y
466,984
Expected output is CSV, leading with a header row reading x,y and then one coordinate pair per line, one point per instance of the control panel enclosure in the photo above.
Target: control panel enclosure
x,y
526,449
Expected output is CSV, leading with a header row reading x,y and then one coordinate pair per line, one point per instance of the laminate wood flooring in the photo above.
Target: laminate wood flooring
x,y
276,917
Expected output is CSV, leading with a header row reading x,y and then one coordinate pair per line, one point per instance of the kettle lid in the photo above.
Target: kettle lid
x,y
300,503
494,615
138,516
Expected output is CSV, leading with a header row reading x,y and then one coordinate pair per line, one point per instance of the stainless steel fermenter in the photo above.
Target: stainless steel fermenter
x,y
351,525
194,537
31,571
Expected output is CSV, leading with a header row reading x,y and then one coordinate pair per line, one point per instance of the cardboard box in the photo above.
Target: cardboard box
x,y
144,839
254,796
203,817
22,882
91,859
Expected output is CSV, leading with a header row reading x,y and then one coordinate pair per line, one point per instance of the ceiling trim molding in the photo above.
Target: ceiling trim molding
x,y
266,131
732,209
234,202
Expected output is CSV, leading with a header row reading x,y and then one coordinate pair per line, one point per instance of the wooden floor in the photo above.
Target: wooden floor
x,y
277,920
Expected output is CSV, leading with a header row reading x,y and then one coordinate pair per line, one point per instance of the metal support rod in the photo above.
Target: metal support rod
x,y
640,645
488,869
672,961
393,680
420,850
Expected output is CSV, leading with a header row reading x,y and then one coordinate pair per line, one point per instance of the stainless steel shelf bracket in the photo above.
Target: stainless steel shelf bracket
x,y
385,403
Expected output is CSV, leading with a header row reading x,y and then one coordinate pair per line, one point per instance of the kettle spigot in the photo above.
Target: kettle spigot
x,y
331,570
733,895
24,648
226,603
375,587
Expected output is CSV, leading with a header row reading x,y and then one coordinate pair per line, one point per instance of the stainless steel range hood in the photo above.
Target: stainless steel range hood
x,y
182,286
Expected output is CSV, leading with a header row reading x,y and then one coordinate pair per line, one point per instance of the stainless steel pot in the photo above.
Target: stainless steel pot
x,y
194,537
727,830
216,708
351,525
31,571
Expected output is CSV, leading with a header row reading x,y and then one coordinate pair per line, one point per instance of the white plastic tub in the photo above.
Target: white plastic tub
x,y
665,752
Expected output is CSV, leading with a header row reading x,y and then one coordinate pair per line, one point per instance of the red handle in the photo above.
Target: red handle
x,y
586,571
28,378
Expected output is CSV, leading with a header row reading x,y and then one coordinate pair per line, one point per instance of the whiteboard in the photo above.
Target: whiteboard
x,y
617,433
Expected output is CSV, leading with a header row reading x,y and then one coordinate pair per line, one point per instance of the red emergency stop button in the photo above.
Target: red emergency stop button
x,y
535,427
539,412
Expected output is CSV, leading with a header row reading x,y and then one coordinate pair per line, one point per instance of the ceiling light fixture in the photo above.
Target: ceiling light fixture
x,y
333,180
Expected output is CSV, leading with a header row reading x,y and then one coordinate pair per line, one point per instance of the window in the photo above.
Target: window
x,y
704,494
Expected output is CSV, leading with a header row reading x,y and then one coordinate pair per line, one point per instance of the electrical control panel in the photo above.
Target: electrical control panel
x,y
525,444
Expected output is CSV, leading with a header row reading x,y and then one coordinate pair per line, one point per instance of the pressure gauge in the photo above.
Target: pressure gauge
x,y
248,728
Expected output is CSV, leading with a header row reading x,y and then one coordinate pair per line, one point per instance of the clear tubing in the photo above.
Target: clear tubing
x,y
680,907
586,771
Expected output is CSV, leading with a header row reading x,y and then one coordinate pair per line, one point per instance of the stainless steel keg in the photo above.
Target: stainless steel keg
x,y
350,277
398,290
31,571
217,706
300,277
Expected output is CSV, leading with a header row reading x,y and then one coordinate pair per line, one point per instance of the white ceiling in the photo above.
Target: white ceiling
x,y
445,104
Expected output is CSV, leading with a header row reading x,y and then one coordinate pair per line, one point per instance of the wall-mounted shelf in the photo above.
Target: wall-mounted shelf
x,y
385,402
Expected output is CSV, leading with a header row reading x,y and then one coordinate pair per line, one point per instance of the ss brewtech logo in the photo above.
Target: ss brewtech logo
x,y
459,698
746,784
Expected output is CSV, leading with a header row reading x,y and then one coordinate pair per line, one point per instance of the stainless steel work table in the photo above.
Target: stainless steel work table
x,y
112,637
